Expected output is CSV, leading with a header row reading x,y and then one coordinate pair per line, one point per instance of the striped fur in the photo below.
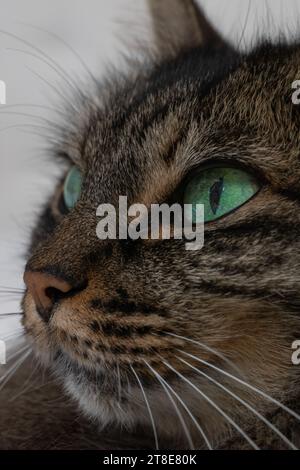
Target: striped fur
x,y
197,102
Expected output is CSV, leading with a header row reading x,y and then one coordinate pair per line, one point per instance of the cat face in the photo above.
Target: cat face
x,y
119,320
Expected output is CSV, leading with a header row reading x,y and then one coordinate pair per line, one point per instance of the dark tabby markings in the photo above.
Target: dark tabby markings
x,y
122,293
126,306
148,122
136,350
63,335
120,331
217,289
95,326
124,331
170,154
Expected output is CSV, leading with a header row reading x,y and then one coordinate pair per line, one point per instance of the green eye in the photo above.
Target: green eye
x,y
72,187
221,190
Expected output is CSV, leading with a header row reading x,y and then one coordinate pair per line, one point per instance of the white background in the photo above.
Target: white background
x,y
99,31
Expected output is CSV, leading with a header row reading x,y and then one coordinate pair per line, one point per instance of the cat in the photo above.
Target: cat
x,y
145,345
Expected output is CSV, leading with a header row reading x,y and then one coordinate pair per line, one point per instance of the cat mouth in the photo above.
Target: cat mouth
x,y
100,356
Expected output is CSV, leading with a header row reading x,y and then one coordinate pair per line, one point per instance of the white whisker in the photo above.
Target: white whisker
x,y
27,384
214,405
11,289
10,296
35,106
208,348
11,371
13,334
243,402
54,88
148,407
56,68
32,126
246,384
119,383
183,424
32,116
16,353
74,52
189,413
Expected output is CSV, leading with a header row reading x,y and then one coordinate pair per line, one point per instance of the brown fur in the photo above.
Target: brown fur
x,y
238,295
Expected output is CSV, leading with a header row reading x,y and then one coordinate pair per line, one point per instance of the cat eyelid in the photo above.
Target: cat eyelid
x,y
228,161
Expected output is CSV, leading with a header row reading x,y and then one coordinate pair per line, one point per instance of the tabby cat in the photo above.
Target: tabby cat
x,y
143,343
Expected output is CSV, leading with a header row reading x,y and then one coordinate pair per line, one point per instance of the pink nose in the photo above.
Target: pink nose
x,y
45,290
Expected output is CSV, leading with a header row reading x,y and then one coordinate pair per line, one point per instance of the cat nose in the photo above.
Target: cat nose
x,y
46,289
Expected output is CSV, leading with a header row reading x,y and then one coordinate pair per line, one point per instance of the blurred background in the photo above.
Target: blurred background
x,y
40,41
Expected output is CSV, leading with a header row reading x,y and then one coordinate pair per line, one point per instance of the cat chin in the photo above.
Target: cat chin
x,y
131,415
105,409
127,415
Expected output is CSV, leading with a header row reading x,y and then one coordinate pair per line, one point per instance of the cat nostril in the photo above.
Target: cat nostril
x,y
46,289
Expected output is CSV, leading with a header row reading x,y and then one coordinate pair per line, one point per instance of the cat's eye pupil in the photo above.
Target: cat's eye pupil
x,y
72,187
215,193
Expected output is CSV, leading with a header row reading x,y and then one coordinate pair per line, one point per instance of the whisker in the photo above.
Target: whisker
x,y
26,385
33,116
10,297
119,383
14,334
243,402
54,88
200,429
10,314
209,349
180,417
49,139
33,389
12,370
10,294
242,37
12,289
32,126
214,405
39,51
38,106
55,68
68,46
15,354
20,126
246,384
148,407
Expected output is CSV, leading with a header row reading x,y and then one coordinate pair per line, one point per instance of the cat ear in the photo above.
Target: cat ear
x,y
180,25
